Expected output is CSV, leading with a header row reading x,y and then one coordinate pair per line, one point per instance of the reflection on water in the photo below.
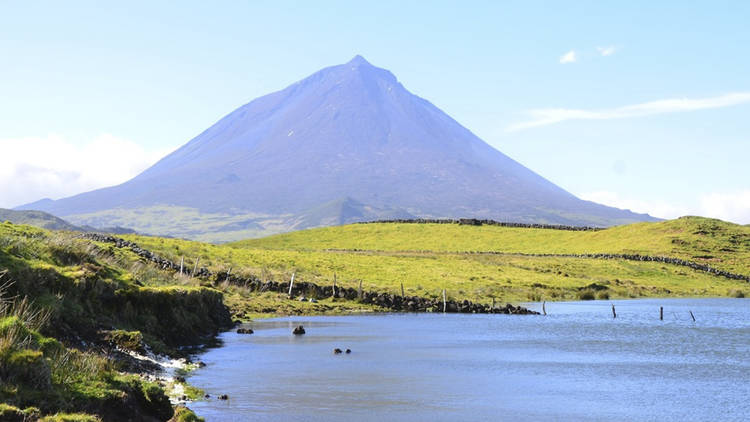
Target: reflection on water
x,y
577,363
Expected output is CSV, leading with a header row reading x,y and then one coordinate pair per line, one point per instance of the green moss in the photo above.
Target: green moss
x,y
27,367
11,413
127,340
183,414
157,401
71,417
192,392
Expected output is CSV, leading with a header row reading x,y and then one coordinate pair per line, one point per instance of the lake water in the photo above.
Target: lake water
x,y
577,363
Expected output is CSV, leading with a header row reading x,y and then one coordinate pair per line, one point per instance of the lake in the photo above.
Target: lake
x,y
576,363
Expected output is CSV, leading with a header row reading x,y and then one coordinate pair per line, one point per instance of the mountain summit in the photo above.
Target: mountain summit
x,y
348,143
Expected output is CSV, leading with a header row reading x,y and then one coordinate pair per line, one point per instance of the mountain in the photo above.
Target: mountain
x,y
48,221
37,219
348,143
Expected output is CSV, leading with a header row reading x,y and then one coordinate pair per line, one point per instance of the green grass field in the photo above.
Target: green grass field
x,y
429,257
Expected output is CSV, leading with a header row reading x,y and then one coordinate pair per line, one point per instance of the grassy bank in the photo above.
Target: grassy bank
x,y
68,307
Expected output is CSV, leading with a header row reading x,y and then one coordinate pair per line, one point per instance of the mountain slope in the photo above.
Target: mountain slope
x,y
350,131
37,219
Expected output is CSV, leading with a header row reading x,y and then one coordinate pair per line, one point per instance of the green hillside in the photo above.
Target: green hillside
x,y
427,258
713,242
36,218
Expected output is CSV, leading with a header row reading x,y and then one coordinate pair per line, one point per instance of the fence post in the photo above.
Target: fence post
x,y
197,260
291,283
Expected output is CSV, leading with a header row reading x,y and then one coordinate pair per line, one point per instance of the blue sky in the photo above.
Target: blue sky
x,y
640,104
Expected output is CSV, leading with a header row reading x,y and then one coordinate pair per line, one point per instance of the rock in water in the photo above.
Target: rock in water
x,y
298,330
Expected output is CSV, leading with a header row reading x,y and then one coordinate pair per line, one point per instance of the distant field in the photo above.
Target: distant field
x,y
429,257
713,242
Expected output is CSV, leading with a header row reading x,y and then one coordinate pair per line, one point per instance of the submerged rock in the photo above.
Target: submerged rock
x,y
298,330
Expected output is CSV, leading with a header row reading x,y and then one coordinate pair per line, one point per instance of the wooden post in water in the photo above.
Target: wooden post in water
x,y
359,291
544,309
182,261
195,268
291,283
444,305
614,314
692,316
402,290
661,313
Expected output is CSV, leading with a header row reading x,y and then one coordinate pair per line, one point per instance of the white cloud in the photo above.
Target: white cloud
x,y
606,51
732,206
37,167
569,57
549,116
727,206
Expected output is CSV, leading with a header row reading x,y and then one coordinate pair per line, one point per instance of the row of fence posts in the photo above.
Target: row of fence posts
x,y
661,313
359,289
445,301
195,268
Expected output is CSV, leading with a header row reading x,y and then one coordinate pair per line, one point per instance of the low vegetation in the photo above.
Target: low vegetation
x,y
70,305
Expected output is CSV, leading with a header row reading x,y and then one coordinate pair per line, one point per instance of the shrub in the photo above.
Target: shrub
x,y
739,294
69,366
586,294
603,295
27,367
